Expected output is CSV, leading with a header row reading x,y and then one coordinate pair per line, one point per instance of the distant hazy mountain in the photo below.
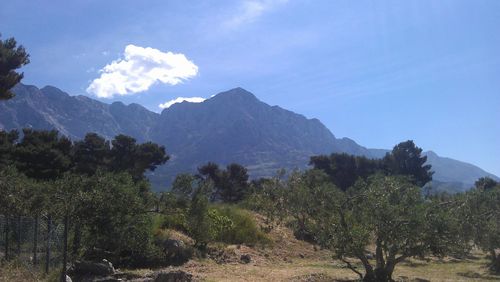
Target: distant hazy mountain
x,y
232,126
454,176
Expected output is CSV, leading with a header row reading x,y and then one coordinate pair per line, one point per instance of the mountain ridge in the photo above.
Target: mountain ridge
x,y
232,126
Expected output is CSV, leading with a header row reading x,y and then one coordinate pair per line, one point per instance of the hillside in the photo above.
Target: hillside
x,y
232,126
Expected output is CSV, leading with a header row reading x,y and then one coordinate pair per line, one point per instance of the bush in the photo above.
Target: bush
x,y
175,221
243,229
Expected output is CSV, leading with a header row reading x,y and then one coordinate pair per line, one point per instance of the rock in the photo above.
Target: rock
x,y
107,279
103,268
176,252
173,276
246,258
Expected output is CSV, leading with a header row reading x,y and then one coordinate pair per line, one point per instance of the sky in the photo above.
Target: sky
x,y
378,72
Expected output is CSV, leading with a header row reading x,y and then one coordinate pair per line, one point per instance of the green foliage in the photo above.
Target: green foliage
x,y
344,169
485,183
231,185
115,219
391,212
91,154
43,155
177,221
184,186
306,196
236,226
12,57
406,159
126,155
482,210
269,199
7,145
16,192
199,223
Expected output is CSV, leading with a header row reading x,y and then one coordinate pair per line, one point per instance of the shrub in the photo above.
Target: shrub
x,y
243,229
177,221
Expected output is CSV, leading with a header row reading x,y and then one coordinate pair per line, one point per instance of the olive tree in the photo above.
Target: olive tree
x,y
482,211
390,212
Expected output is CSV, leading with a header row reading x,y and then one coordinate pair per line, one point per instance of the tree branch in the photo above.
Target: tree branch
x,y
351,267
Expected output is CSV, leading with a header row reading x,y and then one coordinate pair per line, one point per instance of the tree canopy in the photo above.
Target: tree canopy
x,y
12,57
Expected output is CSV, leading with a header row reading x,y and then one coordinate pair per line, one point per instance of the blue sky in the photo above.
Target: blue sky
x,y
379,72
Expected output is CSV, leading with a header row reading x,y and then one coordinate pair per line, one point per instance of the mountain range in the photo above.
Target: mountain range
x,y
232,126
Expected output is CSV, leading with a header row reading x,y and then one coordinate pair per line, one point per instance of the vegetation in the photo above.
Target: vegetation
x,y
102,201
370,214
404,159
482,210
12,57
390,212
383,208
230,185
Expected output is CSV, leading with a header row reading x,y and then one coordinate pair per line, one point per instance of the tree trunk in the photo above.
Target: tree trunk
x,y
495,261
65,249
369,273
18,235
380,274
35,241
77,239
47,250
7,231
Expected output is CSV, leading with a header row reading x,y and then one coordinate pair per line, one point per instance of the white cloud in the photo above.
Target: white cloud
x,y
250,10
139,70
180,100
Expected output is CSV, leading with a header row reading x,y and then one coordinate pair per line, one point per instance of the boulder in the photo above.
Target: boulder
x,y
246,258
103,268
176,252
173,276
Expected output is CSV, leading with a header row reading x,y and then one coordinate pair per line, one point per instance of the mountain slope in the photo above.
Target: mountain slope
x,y
454,176
73,116
232,126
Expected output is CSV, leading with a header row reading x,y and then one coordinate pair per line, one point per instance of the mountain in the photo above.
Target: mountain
x,y
232,126
73,116
454,176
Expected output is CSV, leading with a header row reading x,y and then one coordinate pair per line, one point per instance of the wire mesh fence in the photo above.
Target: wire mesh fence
x,y
36,242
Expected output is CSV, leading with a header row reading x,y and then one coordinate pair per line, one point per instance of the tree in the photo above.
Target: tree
x,y
269,199
12,184
345,169
43,155
485,183
406,159
391,212
66,198
184,186
114,219
231,184
306,195
126,155
91,154
209,171
199,223
12,57
7,144
482,211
